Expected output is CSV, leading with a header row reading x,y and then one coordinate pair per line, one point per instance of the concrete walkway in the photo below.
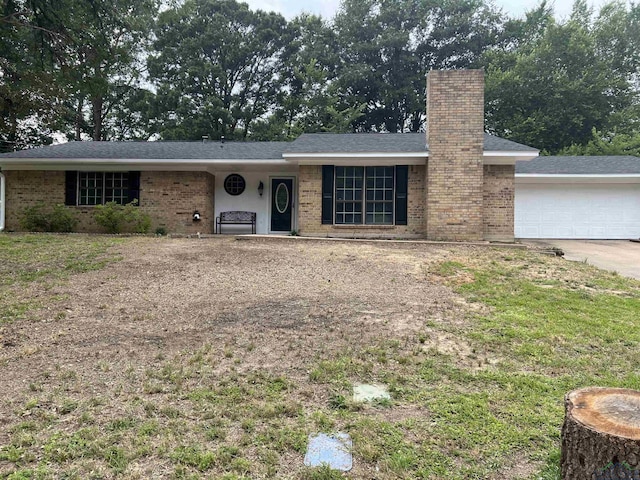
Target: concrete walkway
x,y
620,256
382,241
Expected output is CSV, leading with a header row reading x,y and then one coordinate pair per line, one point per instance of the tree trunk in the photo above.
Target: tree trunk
x,y
96,104
79,119
601,434
12,136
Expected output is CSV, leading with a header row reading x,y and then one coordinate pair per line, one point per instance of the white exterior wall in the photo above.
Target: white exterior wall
x,y
250,200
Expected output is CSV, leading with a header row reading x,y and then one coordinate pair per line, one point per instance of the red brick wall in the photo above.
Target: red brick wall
x,y
455,134
170,198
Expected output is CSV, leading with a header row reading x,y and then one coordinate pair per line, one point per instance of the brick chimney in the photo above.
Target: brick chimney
x,y
455,135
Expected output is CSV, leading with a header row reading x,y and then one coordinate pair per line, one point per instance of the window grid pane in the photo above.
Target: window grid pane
x,y
117,187
97,188
367,190
349,182
91,188
379,204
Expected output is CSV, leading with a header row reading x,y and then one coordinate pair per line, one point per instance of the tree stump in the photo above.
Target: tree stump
x,y
601,434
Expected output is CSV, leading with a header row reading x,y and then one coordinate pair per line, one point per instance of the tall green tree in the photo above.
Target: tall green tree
x,y
309,100
105,61
560,80
30,93
69,66
216,65
607,144
387,47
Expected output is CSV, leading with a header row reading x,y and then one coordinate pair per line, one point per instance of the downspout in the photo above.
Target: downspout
x,y
2,196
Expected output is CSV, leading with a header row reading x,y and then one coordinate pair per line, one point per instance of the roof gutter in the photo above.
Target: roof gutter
x,y
367,155
490,157
2,197
577,178
137,161
504,157
103,164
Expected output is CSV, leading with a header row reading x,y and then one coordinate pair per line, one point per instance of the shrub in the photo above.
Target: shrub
x,y
39,218
115,217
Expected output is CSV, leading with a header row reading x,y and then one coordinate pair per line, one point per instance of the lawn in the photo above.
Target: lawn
x,y
183,358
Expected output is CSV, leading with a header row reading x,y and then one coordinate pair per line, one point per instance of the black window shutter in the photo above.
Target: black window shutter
x,y
71,188
327,194
402,190
134,187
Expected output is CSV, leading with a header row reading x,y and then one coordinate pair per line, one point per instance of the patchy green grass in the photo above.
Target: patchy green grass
x,y
45,260
26,258
546,327
488,406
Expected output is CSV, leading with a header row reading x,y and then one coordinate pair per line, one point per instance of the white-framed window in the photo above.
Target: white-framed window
x,y
98,188
364,195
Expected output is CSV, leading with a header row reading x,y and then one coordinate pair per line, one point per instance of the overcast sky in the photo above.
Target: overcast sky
x,y
327,8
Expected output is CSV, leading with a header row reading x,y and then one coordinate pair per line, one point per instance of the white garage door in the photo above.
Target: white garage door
x,y
609,211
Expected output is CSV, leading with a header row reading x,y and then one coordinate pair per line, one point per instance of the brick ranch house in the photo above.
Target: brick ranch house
x,y
455,184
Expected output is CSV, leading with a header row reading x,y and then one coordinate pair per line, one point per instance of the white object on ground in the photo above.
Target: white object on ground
x,y
363,392
331,450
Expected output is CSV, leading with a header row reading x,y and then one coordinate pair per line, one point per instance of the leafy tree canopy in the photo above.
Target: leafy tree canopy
x,y
182,69
551,87
387,47
216,64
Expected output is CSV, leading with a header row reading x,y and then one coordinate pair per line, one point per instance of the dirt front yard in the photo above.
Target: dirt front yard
x,y
214,358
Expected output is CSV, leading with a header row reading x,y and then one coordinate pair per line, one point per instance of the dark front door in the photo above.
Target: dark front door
x,y
281,204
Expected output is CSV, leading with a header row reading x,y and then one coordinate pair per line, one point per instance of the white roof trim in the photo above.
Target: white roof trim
x,y
486,153
512,153
490,157
496,157
578,175
368,155
381,158
139,161
107,164
577,178
364,161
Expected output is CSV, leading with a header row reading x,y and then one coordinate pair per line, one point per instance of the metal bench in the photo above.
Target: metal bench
x,y
236,218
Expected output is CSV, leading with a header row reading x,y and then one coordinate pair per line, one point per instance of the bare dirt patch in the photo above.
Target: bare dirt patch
x,y
216,359
277,308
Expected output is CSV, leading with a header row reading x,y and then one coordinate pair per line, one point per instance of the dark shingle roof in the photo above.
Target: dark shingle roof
x,y
587,165
359,143
157,150
306,143
384,143
493,143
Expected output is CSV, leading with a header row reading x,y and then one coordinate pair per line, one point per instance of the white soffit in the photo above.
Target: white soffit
x,y
507,157
411,158
355,159
106,164
575,178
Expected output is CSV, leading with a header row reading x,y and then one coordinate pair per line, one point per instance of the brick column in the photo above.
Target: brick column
x,y
499,194
455,135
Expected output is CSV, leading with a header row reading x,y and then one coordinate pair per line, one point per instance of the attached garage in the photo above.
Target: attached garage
x,y
578,198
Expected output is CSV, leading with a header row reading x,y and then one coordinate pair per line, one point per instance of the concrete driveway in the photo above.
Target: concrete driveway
x,y
621,256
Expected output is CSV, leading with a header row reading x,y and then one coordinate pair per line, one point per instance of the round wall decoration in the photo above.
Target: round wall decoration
x,y
234,184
